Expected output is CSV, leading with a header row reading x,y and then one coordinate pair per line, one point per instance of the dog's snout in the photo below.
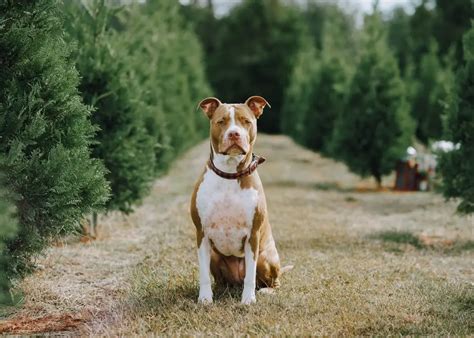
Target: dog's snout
x,y
234,135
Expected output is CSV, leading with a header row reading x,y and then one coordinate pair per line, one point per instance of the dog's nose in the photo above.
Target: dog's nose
x,y
234,135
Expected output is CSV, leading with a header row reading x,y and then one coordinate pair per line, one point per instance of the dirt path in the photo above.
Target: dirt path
x,y
365,262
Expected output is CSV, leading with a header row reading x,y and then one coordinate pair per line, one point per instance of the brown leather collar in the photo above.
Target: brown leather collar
x,y
256,160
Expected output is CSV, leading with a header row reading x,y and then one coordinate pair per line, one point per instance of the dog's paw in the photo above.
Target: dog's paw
x,y
205,297
248,297
205,301
266,291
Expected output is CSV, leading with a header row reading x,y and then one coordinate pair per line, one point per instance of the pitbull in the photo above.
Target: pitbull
x,y
228,207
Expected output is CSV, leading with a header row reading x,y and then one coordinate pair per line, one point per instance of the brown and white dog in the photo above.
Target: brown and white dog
x,y
228,206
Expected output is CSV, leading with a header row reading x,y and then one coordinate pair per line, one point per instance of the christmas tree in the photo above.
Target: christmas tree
x,y
457,166
110,85
45,131
374,128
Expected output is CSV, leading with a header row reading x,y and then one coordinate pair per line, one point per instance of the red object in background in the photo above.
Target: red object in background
x,y
407,177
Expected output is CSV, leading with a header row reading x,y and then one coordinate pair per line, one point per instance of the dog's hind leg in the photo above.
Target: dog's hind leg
x,y
268,267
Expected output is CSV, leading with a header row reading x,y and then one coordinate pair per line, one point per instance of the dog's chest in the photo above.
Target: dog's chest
x,y
226,212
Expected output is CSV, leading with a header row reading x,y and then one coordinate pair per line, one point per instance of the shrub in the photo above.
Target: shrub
x,y
109,84
169,64
430,91
8,230
317,87
255,52
374,128
45,131
457,166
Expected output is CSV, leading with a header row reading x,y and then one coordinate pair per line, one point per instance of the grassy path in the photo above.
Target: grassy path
x,y
365,262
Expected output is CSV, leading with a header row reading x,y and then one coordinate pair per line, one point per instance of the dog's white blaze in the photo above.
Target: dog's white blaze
x,y
232,116
204,257
226,212
248,295
233,126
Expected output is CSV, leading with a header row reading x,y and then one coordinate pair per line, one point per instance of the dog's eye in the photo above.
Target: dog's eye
x,y
220,122
247,121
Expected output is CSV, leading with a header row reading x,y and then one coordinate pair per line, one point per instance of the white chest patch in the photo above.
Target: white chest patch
x,y
226,211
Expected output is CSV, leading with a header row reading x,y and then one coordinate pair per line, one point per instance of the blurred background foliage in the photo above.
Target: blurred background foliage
x,y
8,230
359,91
98,97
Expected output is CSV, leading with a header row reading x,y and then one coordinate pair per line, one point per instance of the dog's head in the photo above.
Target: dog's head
x,y
233,126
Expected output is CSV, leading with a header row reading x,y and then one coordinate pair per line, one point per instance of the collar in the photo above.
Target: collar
x,y
256,160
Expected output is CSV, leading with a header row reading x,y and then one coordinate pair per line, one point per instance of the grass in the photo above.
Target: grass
x,y
400,237
366,262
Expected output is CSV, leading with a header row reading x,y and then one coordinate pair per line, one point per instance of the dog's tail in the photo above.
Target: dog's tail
x,y
286,268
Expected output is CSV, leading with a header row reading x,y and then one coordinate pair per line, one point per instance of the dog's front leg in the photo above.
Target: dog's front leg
x,y
251,252
204,256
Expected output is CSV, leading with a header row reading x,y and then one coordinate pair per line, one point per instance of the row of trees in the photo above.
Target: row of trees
x,y
95,102
359,95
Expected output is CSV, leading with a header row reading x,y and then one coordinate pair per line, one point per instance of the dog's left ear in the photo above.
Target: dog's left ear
x,y
209,106
256,105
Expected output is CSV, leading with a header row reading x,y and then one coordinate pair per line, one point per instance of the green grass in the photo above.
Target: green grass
x,y
399,237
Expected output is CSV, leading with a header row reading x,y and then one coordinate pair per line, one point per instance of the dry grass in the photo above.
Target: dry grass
x,y
365,262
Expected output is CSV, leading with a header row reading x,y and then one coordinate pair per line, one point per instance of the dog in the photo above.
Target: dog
x,y
228,206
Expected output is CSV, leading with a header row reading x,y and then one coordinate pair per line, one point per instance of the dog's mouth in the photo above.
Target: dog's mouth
x,y
234,149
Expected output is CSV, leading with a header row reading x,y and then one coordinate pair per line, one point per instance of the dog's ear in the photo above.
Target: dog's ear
x,y
209,105
256,105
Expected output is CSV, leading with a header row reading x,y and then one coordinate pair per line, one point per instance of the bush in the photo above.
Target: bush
x,y
457,166
374,129
8,230
109,84
255,52
45,131
430,91
169,64
317,87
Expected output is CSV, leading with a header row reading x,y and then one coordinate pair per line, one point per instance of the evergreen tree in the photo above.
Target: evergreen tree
x,y
321,16
45,131
400,38
457,166
109,84
421,30
374,129
298,95
204,23
255,52
315,95
453,19
168,61
430,93
8,230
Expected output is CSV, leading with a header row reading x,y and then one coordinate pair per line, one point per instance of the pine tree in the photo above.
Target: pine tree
x,y
297,102
374,128
8,230
316,92
457,166
255,52
430,93
110,85
45,131
169,64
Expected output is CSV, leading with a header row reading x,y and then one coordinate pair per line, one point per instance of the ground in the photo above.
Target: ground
x,y
366,262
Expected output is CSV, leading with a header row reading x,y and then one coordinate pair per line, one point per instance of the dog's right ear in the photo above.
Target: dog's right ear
x,y
209,106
